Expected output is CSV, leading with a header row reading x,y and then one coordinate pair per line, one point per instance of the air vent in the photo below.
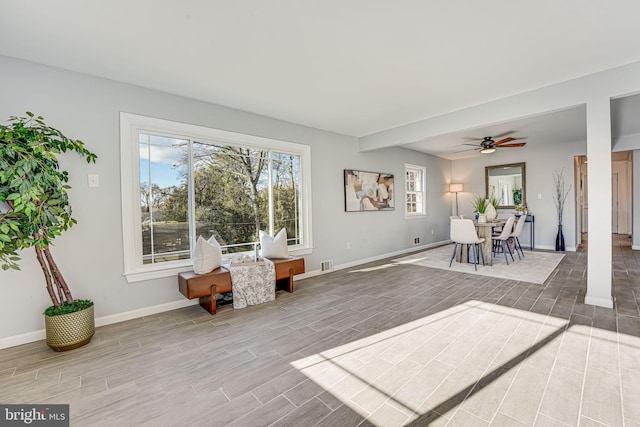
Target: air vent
x,y
326,265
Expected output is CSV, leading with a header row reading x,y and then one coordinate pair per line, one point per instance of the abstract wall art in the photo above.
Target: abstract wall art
x,y
368,191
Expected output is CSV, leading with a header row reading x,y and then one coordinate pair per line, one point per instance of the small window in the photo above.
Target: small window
x,y
414,190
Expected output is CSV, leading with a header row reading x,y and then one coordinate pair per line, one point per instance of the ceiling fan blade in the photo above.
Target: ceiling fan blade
x,y
469,149
519,144
473,145
502,141
503,134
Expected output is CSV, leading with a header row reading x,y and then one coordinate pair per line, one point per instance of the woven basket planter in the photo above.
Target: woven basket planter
x,y
69,331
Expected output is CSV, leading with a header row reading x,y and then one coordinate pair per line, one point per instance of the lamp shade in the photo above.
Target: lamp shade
x,y
456,188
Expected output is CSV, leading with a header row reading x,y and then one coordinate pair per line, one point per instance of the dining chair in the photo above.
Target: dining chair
x,y
463,232
498,230
516,233
501,240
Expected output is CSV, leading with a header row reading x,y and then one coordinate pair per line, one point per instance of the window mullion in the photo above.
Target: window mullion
x,y
150,203
270,192
191,212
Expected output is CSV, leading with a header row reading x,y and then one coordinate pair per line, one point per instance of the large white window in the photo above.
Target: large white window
x,y
414,190
181,181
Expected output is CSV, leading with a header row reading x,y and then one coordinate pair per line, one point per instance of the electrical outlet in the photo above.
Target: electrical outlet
x,y
416,240
539,195
348,245
432,231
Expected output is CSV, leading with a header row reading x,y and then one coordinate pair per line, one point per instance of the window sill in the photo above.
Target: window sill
x,y
415,216
160,272
157,273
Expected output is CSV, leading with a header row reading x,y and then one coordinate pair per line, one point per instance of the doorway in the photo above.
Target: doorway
x,y
621,193
614,203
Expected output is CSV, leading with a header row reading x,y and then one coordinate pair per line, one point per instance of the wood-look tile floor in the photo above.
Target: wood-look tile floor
x,y
379,344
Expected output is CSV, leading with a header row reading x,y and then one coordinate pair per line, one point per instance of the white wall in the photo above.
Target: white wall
x,y
540,166
90,254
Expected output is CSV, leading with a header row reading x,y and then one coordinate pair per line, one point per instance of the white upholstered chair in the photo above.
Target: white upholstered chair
x,y
463,232
501,239
516,233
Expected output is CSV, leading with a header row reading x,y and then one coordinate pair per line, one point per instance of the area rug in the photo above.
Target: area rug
x,y
534,267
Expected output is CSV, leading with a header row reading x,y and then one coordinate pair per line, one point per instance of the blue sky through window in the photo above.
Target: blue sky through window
x,y
165,156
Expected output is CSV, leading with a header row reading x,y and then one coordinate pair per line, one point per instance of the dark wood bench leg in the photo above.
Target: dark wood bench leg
x,y
209,302
290,281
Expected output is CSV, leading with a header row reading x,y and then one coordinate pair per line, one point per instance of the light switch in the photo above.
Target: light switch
x,y
539,195
93,180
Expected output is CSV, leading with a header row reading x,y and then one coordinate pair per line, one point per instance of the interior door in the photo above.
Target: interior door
x,y
614,203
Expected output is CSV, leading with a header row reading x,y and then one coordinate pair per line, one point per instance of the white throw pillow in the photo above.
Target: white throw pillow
x,y
207,256
274,247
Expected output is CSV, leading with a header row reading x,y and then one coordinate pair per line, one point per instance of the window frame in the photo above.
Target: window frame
x,y
130,127
423,172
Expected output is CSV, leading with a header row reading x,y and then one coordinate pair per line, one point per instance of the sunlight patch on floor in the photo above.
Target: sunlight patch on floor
x,y
430,365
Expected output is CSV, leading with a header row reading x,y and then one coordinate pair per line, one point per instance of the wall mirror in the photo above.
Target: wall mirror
x,y
507,183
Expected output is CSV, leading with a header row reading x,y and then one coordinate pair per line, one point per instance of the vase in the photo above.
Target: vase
x,y
560,239
490,212
482,218
71,330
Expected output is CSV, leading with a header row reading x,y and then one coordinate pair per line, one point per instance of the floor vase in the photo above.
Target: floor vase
x,y
560,239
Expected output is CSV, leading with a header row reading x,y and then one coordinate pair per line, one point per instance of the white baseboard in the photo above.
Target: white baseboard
x,y
355,263
22,339
553,248
100,321
635,247
146,311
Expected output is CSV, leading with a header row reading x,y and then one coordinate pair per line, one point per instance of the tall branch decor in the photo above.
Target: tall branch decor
x,y
559,199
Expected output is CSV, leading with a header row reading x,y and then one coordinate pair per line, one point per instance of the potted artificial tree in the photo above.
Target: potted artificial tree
x,y
34,210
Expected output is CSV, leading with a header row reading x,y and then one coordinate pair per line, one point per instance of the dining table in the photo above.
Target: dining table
x,y
485,229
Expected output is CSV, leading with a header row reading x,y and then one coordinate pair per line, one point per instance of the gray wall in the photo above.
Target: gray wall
x,y
90,254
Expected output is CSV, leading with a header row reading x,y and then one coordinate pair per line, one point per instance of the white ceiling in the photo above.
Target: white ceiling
x,y
558,127
353,67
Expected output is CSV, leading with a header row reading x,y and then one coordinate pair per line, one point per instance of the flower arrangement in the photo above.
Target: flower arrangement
x,y
479,204
521,208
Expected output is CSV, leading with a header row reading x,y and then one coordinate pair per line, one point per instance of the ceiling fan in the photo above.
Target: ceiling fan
x,y
488,145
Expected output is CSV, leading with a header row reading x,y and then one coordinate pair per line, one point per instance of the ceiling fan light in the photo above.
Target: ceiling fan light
x,y
488,150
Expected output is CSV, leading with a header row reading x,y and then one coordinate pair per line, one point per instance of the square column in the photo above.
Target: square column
x,y
599,195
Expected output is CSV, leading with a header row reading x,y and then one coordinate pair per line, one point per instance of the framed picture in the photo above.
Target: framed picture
x,y
368,191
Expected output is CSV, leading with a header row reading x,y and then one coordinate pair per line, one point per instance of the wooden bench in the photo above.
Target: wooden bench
x,y
206,286
286,268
